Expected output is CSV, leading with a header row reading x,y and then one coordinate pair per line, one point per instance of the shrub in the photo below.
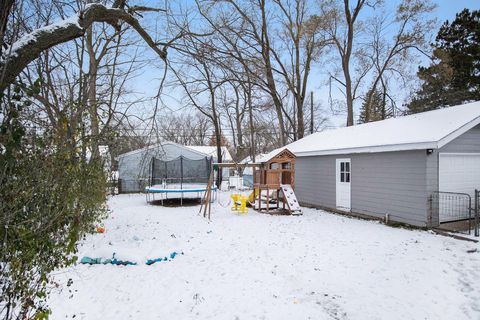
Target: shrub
x,y
49,199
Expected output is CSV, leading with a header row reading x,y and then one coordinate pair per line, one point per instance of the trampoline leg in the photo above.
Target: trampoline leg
x,y
181,198
161,197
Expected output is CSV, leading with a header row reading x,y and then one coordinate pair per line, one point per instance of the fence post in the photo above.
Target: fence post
x,y
119,181
181,174
153,172
477,194
430,212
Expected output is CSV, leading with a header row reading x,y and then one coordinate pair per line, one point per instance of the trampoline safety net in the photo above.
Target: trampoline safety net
x,y
180,171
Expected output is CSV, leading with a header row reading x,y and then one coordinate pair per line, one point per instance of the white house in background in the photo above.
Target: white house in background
x,y
392,166
134,167
212,151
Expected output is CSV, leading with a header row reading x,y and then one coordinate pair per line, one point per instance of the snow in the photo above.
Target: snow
x,y
248,159
212,151
200,150
270,155
12,51
431,129
259,266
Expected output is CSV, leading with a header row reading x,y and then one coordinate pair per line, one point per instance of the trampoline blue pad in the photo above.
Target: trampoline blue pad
x,y
186,189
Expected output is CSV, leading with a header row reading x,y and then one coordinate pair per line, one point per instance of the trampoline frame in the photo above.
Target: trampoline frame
x,y
151,191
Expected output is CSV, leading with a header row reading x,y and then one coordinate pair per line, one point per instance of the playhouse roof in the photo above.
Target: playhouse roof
x,y
268,156
427,130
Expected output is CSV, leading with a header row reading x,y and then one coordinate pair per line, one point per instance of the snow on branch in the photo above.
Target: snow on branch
x,y
28,48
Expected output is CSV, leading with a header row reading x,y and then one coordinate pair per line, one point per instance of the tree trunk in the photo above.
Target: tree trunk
x,y
92,94
269,75
251,122
6,8
349,95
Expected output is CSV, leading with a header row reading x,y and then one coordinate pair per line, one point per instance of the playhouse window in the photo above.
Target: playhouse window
x,y
274,165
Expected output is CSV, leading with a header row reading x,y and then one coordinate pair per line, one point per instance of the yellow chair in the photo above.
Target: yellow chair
x,y
243,204
239,203
235,197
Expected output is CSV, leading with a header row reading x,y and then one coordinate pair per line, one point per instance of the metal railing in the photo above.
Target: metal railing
x,y
477,213
453,211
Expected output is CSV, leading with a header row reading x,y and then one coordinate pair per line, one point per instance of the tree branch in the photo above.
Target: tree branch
x,y
29,47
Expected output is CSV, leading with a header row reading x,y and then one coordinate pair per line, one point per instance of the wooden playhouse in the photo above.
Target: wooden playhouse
x,y
274,183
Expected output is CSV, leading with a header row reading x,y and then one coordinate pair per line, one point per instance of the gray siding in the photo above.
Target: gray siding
x,y
389,182
315,180
469,142
393,183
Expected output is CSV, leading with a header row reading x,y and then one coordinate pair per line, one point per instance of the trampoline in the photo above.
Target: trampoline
x,y
185,191
179,178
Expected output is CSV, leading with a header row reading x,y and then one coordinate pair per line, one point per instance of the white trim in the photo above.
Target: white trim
x,y
459,153
341,186
457,133
372,149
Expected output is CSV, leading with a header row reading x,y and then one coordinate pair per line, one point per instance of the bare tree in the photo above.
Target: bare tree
x,y
198,78
303,38
343,31
390,57
18,55
185,129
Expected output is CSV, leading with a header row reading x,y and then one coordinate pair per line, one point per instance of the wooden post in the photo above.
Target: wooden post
x,y
259,198
278,198
204,203
268,199
210,203
207,201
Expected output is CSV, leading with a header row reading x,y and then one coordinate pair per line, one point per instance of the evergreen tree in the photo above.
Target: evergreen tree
x,y
376,110
454,76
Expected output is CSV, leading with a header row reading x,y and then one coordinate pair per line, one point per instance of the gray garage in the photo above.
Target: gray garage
x,y
393,166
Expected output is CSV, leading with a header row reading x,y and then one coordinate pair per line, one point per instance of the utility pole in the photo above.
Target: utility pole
x,y
311,112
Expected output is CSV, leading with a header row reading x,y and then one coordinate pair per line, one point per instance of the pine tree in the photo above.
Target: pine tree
x,y
454,76
375,110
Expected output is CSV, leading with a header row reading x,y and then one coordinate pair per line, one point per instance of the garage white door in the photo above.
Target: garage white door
x,y
458,172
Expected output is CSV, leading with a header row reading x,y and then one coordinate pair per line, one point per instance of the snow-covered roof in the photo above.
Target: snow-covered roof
x,y
160,145
248,159
426,130
267,156
212,151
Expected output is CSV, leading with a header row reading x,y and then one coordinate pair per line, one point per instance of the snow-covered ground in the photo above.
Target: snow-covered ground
x,y
316,266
